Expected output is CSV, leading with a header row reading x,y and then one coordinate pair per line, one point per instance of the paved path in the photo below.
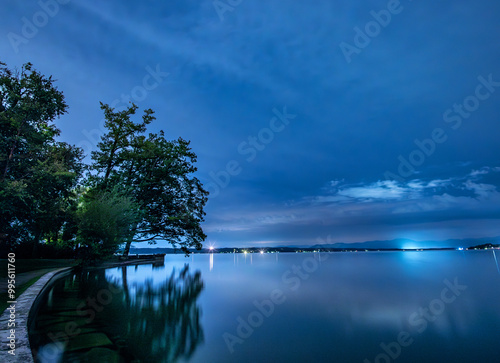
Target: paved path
x,y
23,278
20,317
23,306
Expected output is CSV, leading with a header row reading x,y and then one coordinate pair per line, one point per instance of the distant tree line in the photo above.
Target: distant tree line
x,y
138,187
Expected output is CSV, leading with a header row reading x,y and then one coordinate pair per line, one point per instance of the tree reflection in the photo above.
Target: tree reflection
x,y
158,323
118,320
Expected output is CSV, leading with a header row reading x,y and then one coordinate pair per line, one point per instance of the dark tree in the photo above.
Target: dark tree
x,y
37,173
157,174
105,221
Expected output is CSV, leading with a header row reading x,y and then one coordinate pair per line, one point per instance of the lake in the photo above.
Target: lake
x,y
421,306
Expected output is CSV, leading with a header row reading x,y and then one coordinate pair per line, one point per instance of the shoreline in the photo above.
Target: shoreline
x,y
23,306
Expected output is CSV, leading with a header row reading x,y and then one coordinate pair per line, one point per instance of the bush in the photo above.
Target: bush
x,y
106,220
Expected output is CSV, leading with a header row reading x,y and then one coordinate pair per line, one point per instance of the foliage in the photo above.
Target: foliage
x,y
157,173
105,220
139,187
37,173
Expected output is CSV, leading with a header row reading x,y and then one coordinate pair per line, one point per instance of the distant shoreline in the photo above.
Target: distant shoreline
x,y
257,250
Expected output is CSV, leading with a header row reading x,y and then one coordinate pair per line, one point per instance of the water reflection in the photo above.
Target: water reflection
x,y
496,262
89,316
282,308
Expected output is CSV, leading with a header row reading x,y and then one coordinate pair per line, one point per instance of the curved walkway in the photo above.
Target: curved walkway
x,y
20,318
23,278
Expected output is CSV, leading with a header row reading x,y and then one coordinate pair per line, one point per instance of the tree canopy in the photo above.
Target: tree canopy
x,y
38,173
139,186
156,173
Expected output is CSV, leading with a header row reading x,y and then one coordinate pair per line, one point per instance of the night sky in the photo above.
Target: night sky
x,y
313,121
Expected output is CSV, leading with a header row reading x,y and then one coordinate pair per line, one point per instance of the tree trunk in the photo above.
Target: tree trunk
x,y
129,241
11,154
127,247
36,242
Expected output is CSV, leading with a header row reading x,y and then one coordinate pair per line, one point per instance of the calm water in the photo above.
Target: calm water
x,y
328,307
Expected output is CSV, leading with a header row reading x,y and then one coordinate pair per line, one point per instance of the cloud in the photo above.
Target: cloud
x,y
482,191
390,190
377,191
334,183
421,206
484,171
384,190
322,173
438,183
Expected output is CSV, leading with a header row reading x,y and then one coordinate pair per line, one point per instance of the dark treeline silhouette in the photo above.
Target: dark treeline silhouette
x,y
138,187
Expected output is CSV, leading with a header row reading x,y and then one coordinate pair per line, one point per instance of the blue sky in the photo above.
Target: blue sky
x,y
344,120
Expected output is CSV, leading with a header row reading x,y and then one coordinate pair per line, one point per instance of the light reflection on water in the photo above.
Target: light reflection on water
x,y
328,307
496,262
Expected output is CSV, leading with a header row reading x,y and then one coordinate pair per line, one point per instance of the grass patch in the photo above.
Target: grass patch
x,y
35,264
4,297
29,265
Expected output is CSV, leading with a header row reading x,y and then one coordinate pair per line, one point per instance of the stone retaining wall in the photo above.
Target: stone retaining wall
x,y
22,310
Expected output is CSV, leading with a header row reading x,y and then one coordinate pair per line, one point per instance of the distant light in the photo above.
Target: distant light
x,y
261,252
460,248
211,248
245,252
